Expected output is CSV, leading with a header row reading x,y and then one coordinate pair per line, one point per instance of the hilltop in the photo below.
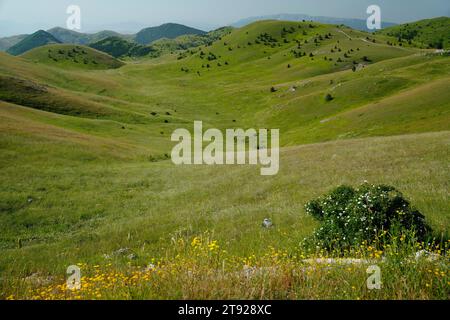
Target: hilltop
x,y
72,56
37,39
168,30
429,33
73,37
357,24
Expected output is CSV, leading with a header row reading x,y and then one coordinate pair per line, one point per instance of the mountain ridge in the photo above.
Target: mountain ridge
x,y
167,30
38,39
358,24
143,37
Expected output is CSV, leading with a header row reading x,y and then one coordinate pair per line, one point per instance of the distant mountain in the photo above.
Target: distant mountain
x,y
8,42
430,33
357,24
143,37
168,30
37,39
119,48
73,37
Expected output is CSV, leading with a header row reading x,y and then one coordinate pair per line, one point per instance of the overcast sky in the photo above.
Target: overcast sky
x,y
18,16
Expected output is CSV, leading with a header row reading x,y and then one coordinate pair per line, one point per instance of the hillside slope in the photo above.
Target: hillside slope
x,y
72,56
429,33
37,39
8,42
118,47
271,74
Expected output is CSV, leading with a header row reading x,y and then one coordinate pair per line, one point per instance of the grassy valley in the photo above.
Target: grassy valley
x,y
87,177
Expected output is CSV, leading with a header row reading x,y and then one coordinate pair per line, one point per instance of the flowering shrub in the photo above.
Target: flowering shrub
x,y
352,216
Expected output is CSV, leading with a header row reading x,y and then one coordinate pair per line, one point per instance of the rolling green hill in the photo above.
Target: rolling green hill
x,y
185,42
72,56
168,30
120,48
37,39
86,169
302,62
430,33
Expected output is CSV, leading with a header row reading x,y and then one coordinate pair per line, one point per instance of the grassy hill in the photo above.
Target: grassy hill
x,y
118,48
72,56
37,39
430,33
168,30
185,42
358,24
86,171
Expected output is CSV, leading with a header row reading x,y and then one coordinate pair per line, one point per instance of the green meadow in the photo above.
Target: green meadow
x,y
85,144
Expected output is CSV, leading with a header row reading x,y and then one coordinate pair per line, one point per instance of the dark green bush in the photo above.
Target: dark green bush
x,y
350,217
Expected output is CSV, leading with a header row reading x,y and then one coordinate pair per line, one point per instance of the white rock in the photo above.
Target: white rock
x,y
424,254
267,223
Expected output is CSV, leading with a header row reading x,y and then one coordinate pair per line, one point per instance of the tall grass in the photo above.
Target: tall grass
x,y
200,268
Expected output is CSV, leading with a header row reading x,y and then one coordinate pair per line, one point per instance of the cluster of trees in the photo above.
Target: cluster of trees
x,y
210,57
76,54
267,40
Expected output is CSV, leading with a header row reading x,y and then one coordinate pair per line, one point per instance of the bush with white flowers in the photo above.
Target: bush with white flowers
x,y
350,217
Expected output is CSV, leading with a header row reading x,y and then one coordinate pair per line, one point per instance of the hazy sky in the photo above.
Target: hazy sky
x,y
27,15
